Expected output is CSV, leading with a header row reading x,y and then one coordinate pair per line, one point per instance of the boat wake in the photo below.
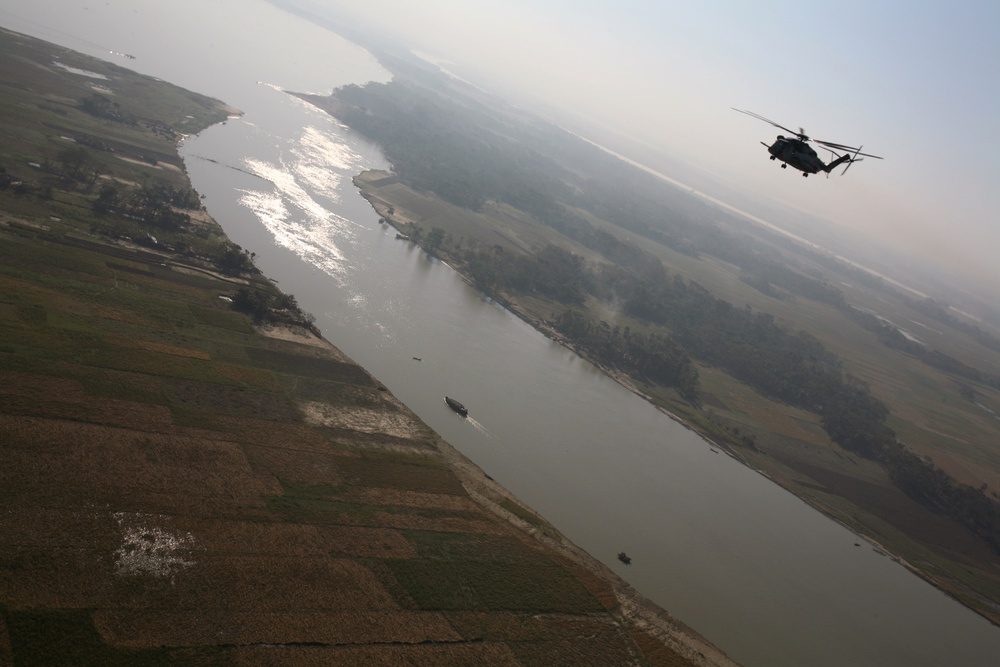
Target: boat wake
x,y
479,427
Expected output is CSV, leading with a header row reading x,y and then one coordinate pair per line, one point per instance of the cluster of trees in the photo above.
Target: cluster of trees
x,y
435,147
468,155
797,369
753,347
156,204
656,358
935,489
890,336
268,306
764,275
790,366
73,165
101,106
938,311
793,367
553,272
234,260
9,181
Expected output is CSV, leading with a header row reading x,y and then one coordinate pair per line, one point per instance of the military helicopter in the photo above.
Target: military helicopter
x,y
797,152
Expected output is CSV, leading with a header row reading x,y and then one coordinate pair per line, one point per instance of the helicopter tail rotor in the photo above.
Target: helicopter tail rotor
x,y
852,159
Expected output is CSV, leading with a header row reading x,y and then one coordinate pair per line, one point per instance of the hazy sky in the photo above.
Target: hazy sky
x,y
916,82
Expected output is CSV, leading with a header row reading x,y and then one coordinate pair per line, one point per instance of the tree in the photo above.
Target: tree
x,y
234,260
101,107
108,198
254,303
434,239
73,162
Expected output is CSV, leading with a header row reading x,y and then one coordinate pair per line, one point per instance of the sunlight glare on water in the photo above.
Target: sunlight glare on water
x,y
312,169
318,155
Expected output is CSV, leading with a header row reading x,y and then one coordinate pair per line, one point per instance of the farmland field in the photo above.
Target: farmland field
x,y
181,484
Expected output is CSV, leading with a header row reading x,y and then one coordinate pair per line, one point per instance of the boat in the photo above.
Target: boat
x,y
624,558
456,406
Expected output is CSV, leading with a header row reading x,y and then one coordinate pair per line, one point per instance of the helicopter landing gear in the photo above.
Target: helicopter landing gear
x,y
784,166
805,175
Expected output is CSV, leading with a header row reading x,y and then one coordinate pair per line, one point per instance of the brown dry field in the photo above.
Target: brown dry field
x,y
196,493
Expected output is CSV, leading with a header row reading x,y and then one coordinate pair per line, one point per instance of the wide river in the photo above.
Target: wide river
x,y
762,575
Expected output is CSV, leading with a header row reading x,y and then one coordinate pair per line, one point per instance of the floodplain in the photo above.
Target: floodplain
x,y
186,483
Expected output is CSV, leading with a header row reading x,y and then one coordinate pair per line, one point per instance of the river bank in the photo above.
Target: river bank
x,y
185,483
376,187
631,605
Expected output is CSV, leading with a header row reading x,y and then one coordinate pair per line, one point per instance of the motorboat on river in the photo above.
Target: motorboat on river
x,y
456,406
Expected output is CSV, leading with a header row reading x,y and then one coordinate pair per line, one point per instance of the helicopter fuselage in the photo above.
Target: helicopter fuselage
x,y
796,153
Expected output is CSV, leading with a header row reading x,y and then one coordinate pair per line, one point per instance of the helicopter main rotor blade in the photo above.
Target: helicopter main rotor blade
x,y
767,120
844,147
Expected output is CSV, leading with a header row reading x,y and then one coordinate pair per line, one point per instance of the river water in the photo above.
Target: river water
x,y
754,569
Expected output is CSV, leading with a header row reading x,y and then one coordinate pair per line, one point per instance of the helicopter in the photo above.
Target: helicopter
x,y
796,151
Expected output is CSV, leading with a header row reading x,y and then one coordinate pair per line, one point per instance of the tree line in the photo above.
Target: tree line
x,y
157,204
790,366
469,156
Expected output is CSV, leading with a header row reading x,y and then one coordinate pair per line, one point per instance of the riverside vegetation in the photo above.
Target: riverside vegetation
x,y
798,363
190,474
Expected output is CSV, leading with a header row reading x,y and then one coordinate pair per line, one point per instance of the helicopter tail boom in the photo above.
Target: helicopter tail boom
x,y
839,161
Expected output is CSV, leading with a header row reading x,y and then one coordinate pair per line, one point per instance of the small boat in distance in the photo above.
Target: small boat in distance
x,y
624,558
456,406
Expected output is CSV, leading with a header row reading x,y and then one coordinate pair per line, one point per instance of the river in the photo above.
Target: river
x,y
762,575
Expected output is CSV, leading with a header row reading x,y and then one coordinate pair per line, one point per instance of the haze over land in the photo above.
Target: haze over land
x,y
910,82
